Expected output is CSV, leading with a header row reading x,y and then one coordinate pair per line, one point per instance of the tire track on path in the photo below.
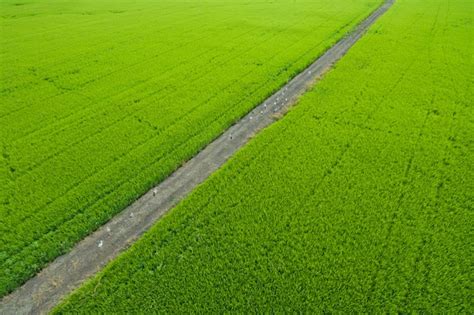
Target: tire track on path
x,y
42,292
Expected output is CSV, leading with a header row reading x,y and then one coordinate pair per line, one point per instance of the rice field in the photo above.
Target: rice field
x,y
359,200
101,100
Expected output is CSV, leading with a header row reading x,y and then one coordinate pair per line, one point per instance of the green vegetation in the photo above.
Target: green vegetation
x,y
359,200
100,100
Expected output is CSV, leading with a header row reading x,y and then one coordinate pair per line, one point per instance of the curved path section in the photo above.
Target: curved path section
x,y
41,293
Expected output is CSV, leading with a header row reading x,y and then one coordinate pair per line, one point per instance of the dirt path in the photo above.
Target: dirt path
x,y
45,290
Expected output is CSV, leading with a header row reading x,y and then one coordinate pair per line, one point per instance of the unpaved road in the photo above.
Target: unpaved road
x,y
41,293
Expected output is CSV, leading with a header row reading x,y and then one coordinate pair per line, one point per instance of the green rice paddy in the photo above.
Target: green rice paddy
x,y
359,200
100,100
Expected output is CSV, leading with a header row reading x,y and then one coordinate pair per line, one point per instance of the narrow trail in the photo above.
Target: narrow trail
x,y
42,292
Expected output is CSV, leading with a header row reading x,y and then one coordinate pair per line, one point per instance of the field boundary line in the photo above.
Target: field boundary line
x,y
42,292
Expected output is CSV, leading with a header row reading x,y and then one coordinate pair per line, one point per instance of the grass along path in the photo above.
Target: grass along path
x,y
359,200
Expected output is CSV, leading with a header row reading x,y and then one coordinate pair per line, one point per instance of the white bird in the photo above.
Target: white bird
x,y
100,244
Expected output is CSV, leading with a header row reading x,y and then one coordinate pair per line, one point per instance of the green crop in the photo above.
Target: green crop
x,y
100,100
358,201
